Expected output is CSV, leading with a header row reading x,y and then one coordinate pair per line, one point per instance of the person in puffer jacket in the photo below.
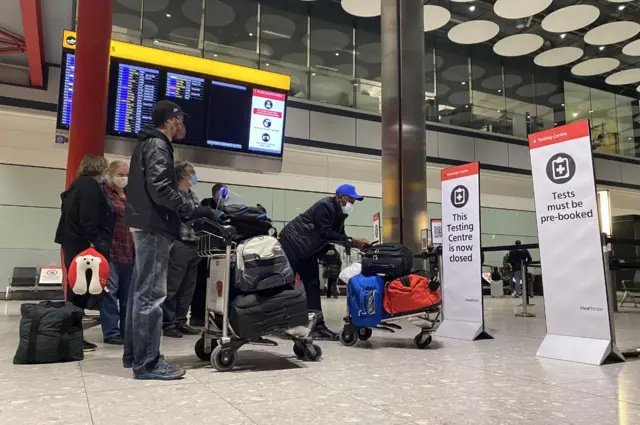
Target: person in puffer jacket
x,y
307,234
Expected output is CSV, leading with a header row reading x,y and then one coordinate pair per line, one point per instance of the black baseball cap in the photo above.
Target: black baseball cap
x,y
164,110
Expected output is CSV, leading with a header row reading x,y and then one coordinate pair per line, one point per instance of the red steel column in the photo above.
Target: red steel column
x,y
89,102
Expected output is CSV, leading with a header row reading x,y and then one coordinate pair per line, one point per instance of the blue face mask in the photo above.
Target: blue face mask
x,y
194,179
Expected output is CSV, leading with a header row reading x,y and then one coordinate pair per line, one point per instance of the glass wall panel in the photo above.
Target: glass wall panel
x,y
284,40
549,100
430,62
231,31
487,96
174,26
453,90
577,102
519,90
331,54
604,126
628,128
126,23
368,68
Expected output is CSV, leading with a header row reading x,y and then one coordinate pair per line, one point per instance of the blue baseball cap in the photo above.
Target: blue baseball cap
x,y
350,191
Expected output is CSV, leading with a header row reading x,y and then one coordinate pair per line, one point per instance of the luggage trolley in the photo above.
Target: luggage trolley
x,y
427,320
219,342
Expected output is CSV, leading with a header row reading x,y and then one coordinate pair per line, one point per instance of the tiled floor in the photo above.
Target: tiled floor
x,y
383,381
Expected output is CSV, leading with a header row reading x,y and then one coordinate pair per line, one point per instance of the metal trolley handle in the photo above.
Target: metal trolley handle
x,y
210,227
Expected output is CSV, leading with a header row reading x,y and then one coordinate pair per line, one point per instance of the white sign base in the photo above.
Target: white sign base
x,y
457,329
581,350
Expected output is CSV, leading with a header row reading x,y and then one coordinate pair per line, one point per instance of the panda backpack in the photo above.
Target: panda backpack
x,y
89,259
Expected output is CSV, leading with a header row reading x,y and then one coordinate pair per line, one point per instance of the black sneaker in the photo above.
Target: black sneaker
x,y
114,340
196,323
163,371
322,333
172,333
188,330
87,347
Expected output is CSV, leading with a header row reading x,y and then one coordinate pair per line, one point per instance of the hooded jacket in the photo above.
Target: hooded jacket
x,y
153,202
308,233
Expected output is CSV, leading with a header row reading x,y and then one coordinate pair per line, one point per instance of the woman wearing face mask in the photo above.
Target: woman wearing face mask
x,y
87,220
183,263
304,237
114,302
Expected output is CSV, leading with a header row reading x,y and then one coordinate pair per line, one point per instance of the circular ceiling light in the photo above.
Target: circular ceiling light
x,y
518,45
612,32
473,32
518,9
362,8
619,1
435,17
595,66
628,76
558,56
570,18
632,49
462,1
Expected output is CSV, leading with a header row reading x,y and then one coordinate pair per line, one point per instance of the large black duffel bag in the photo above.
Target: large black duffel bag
x,y
388,260
259,313
50,332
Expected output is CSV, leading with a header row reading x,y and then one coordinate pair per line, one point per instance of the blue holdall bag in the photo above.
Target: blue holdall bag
x,y
364,299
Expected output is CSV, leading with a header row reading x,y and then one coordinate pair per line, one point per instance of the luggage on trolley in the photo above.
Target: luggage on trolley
x,y
250,293
379,300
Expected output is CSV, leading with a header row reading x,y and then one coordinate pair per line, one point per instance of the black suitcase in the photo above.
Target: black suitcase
x,y
262,312
388,260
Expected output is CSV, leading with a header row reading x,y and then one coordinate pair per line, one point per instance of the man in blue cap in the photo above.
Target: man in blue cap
x,y
305,237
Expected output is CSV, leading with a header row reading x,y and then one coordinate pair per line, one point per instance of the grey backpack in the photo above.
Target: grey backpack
x,y
261,264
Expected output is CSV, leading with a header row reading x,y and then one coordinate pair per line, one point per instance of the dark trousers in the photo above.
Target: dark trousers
x,y
199,302
181,283
113,310
332,286
310,277
143,327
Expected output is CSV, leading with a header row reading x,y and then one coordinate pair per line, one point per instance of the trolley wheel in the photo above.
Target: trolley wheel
x,y
364,333
422,340
223,361
348,337
299,349
313,352
199,349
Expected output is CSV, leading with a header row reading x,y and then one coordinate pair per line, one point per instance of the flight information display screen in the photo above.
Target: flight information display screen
x,y
188,93
136,94
68,75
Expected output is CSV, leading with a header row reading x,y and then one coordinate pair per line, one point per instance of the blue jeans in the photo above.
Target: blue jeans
x,y
517,275
113,311
143,328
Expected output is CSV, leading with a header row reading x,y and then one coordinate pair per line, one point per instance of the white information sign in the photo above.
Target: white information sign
x,y
461,263
267,121
377,237
436,231
575,290
50,275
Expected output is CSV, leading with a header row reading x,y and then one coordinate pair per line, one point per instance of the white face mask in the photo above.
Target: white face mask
x,y
347,208
121,182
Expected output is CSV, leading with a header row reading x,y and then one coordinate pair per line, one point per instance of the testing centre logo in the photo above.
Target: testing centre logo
x,y
459,196
71,40
561,168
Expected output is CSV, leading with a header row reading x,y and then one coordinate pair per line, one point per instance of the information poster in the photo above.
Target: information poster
x,y
461,258
575,290
376,228
267,121
436,231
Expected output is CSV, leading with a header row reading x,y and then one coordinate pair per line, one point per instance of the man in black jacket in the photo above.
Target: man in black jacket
x,y
306,235
518,256
154,211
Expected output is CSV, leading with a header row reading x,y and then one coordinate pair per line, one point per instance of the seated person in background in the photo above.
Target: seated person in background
x,y
517,256
114,301
87,220
307,234
183,263
219,195
332,264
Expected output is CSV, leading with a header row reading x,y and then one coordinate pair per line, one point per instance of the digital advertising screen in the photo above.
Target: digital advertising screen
x,y
267,122
189,93
136,93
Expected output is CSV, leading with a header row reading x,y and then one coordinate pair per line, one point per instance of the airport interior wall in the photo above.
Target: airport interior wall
x,y
324,148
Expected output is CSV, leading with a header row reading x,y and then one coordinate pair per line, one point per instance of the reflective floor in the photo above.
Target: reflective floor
x,y
385,380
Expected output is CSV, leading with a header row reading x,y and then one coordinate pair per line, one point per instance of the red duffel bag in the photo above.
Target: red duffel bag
x,y
411,293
